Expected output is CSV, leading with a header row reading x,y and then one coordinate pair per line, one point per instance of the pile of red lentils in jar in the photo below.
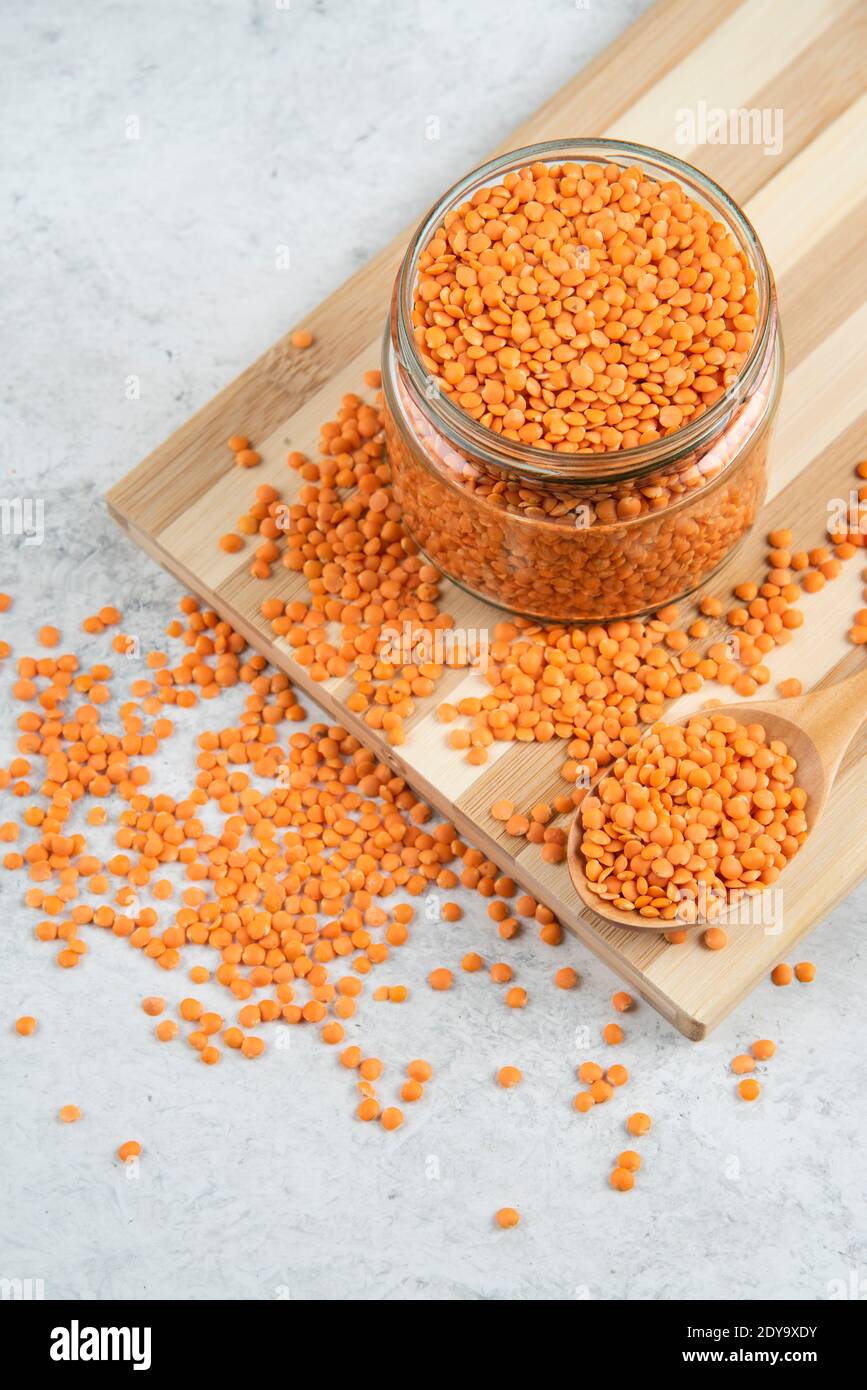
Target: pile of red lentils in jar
x,y
584,307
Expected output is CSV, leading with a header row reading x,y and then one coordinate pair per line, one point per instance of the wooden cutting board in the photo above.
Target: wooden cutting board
x,y
804,58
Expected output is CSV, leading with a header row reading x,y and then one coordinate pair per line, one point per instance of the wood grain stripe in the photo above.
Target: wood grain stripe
x,y
830,71
820,397
793,213
660,39
725,71
814,305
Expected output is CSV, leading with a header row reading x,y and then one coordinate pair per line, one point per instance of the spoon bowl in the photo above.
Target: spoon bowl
x,y
816,728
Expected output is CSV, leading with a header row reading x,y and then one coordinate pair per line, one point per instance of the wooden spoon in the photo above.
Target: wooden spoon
x,y
817,729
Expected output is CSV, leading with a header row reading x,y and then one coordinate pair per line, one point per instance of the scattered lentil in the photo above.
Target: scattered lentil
x,y
639,1123
419,1070
507,1217
509,1076
743,1063
622,1179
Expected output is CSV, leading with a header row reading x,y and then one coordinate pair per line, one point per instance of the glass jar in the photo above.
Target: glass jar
x,y
586,536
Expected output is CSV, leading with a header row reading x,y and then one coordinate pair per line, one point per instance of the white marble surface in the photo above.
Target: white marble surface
x,y
303,125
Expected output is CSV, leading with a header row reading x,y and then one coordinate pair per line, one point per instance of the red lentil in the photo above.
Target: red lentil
x,y
622,1179
509,1076
419,1070
639,1123
743,1063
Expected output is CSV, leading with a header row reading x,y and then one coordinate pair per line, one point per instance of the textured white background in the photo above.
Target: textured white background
x,y
304,126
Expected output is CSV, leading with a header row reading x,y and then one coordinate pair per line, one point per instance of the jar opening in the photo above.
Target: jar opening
x,y
529,460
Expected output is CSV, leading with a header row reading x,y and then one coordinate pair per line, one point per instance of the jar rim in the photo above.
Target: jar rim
x,y
528,459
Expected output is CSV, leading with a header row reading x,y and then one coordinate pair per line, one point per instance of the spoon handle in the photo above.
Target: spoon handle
x,y
831,717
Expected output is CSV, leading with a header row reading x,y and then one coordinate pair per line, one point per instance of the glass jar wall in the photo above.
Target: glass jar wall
x,y
579,535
